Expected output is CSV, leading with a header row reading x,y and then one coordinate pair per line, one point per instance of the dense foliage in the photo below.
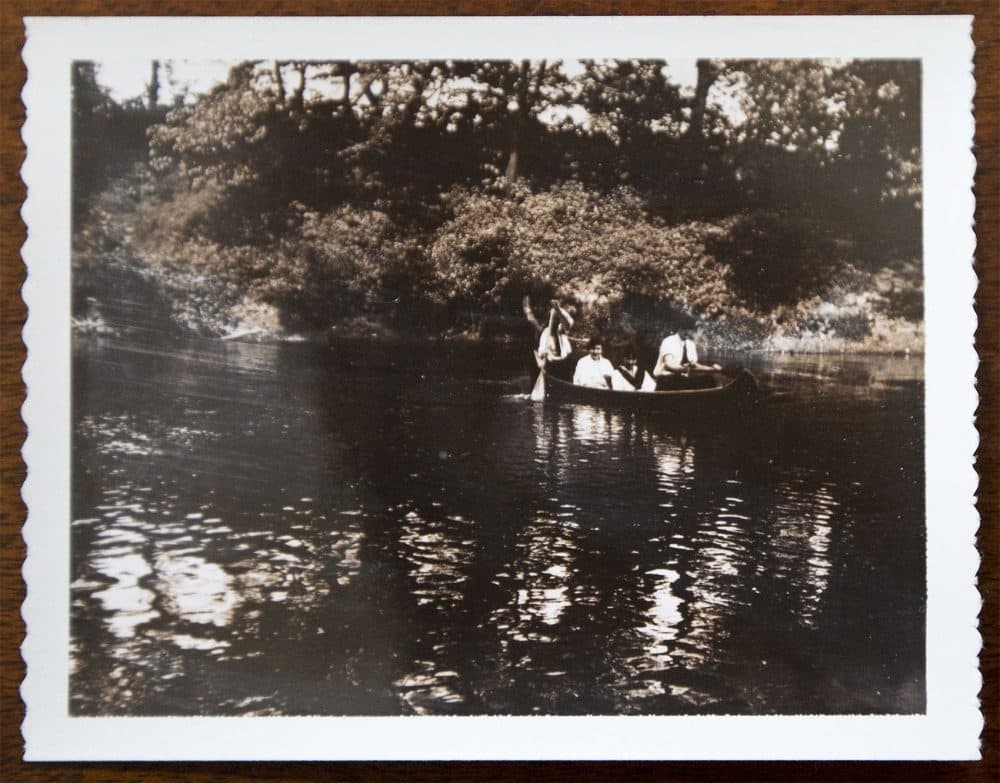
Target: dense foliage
x,y
107,137
597,250
443,192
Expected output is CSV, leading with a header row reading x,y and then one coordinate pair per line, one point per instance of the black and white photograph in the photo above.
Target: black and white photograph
x,y
524,386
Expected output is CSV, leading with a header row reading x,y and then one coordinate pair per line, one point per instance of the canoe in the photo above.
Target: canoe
x,y
719,392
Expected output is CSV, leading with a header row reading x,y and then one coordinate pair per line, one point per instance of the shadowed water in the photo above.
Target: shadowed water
x,y
291,529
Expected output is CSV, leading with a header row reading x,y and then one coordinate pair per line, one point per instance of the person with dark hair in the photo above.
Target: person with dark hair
x,y
629,376
678,356
594,370
554,347
554,344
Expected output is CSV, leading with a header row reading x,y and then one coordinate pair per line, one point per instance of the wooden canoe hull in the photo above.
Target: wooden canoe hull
x,y
729,392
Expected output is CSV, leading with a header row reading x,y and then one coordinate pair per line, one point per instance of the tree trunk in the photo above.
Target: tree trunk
x,y
153,88
279,82
518,122
707,74
298,97
345,70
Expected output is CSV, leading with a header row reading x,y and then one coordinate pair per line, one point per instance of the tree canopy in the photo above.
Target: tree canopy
x,y
325,186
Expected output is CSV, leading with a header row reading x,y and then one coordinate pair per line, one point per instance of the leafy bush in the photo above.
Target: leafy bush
x,y
599,250
335,265
778,258
738,279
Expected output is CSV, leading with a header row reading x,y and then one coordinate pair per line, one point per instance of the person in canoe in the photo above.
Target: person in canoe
x,y
554,344
629,376
678,359
593,370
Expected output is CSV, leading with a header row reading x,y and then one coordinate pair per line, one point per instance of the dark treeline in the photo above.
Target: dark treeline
x,y
108,137
776,196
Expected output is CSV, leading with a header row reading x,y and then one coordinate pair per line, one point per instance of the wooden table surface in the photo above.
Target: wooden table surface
x,y
12,314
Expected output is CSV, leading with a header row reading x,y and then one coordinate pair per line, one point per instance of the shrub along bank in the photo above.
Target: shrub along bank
x,y
765,280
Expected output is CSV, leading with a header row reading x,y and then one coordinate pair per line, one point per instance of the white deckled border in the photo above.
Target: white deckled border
x,y
951,727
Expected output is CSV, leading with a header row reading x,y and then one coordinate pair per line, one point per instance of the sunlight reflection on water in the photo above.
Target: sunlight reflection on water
x,y
252,535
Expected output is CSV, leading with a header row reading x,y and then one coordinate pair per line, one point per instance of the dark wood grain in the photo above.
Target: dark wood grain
x,y
12,431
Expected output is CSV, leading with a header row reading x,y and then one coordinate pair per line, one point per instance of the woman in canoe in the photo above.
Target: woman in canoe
x,y
629,376
594,370
553,344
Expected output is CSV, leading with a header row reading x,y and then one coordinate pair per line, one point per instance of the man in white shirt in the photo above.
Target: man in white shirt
x,y
594,370
679,356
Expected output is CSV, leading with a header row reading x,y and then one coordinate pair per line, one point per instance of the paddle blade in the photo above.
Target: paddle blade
x,y
538,393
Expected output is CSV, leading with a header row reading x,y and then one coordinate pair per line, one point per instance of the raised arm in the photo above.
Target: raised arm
x,y
567,318
556,309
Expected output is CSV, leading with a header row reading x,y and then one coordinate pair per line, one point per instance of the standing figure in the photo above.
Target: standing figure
x,y
554,344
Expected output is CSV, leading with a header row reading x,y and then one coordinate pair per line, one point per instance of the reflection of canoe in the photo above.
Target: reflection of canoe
x,y
717,392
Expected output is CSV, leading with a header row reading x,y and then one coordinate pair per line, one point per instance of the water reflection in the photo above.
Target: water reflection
x,y
700,548
674,456
126,604
181,563
591,425
803,519
538,580
241,545
438,552
717,559
194,590
664,614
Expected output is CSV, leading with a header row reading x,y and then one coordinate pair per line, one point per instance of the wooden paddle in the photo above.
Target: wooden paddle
x,y
538,391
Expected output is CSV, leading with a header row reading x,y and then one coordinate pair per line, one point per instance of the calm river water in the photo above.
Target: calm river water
x,y
294,529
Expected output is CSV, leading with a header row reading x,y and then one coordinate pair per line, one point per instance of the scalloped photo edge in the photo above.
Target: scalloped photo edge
x,y
951,727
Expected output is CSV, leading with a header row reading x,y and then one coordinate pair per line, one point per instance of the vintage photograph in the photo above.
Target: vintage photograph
x,y
497,387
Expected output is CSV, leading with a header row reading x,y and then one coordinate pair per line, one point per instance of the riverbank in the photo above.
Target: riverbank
x,y
117,296
758,282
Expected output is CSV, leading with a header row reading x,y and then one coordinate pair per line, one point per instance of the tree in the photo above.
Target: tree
x,y
263,142
108,138
878,167
708,72
466,184
92,108
660,142
833,141
153,87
